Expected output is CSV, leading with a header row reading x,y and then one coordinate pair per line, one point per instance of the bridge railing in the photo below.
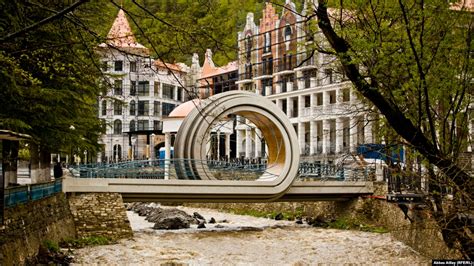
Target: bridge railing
x,y
23,194
222,170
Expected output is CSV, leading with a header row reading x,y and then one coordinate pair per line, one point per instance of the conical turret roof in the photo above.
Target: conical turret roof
x,y
121,36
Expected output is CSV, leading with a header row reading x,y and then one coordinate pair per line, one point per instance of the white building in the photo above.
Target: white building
x,y
275,60
143,90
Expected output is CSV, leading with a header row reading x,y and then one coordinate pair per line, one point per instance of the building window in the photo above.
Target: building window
x,y
307,101
248,48
117,127
132,125
117,108
156,108
332,97
157,125
143,88
133,66
133,88
287,33
167,108
104,107
142,107
346,95
329,75
156,88
268,42
118,87
142,124
168,91
133,108
180,94
118,66
319,99
117,152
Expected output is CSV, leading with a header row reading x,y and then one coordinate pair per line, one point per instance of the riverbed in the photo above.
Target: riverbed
x,y
246,240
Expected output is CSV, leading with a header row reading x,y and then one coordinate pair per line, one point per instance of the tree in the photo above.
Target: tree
x,y
50,81
412,60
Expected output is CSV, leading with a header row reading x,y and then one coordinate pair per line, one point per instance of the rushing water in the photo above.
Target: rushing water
x,y
245,240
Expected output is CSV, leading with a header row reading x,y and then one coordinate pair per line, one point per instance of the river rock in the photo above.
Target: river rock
x,y
170,219
201,225
298,220
212,220
198,216
279,216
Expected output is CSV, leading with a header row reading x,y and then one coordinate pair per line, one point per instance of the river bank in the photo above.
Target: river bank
x,y
246,240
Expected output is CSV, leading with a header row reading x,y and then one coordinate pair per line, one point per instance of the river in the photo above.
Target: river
x,y
245,240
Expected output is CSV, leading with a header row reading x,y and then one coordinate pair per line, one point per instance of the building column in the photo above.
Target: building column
x,y
313,137
167,155
339,134
152,147
353,134
218,135
326,136
248,142
238,139
368,130
258,142
227,146
301,137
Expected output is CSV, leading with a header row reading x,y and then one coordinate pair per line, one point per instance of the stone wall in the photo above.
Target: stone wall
x,y
27,226
419,231
100,214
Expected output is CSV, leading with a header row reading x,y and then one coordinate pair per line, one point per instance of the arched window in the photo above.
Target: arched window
x,y
268,42
287,33
117,152
132,125
117,108
117,127
248,47
104,107
133,107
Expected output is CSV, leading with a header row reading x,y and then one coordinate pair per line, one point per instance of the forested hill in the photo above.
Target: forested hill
x,y
173,30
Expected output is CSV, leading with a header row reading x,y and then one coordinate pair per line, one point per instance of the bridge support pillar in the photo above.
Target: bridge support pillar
x,y
100,214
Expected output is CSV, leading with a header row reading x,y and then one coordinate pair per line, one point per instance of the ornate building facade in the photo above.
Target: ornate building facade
x,y
277,59
142,92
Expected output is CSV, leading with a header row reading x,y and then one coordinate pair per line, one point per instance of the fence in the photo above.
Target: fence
x,y
24,194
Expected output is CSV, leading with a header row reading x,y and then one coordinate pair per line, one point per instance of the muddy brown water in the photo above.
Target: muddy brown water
x,y
245,240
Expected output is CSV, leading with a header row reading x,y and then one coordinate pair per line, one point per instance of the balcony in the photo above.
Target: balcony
x,y
245,77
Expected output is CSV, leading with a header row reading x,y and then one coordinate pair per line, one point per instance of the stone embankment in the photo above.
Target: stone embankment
x,y
100,214
27,226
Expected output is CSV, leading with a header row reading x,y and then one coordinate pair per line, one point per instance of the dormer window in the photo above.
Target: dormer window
x,y
268,42
248,47
287,33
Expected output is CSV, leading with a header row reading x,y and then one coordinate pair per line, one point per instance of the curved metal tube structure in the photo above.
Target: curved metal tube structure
x,y
279,134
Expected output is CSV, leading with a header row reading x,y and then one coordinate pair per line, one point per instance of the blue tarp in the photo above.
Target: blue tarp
x,y
394,153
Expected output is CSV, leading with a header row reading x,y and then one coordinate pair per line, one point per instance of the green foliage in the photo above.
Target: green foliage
x,y
48,78
51,246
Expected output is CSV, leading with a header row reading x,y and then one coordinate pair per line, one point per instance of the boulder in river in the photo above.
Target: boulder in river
x,y
201,225
198,216
279,216
212,220
170,219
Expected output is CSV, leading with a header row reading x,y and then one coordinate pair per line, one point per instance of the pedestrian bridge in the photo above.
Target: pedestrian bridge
x,y
235,182
192,176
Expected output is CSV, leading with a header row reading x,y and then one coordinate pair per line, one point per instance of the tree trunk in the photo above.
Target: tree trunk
x,y
454,228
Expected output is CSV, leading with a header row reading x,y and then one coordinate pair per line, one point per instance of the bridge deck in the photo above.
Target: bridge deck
x,y
220,191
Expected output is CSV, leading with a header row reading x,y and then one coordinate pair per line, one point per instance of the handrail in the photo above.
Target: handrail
x,y
26,193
